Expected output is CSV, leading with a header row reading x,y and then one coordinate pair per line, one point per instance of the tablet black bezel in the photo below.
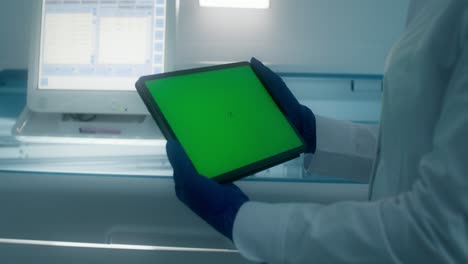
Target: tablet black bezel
x,y
168,133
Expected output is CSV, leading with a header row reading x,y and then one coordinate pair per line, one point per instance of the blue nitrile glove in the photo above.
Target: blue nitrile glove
x,y
215,203
300,116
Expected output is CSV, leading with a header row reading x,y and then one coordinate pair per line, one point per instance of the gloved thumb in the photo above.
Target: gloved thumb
x,y
178,157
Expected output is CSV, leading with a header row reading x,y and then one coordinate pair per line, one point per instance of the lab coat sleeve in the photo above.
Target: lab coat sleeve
x,y
426,224
344,149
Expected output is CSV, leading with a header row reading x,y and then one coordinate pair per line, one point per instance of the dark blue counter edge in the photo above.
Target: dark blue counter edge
x,y
348,76
23,74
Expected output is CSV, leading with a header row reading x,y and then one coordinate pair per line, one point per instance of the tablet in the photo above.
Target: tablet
x,y
224,118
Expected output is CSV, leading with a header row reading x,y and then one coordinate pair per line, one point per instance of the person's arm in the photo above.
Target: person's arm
x,y
427,224
344,149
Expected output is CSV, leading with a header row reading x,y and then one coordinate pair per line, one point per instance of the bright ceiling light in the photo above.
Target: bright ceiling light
x,y
262,4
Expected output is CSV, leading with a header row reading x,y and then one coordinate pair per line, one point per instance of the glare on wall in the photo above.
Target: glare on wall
x,y
259,4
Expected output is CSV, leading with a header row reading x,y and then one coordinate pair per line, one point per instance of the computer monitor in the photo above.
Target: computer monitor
x,y
87,54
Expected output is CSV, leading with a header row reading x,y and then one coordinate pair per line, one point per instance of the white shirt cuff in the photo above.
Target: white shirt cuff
x,y
344,149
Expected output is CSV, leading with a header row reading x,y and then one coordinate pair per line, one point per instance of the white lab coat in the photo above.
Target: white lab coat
x,y
418,208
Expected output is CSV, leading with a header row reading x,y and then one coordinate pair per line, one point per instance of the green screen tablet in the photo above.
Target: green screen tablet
x,y
224,118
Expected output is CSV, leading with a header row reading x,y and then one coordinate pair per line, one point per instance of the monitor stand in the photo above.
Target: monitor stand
x,y
63,128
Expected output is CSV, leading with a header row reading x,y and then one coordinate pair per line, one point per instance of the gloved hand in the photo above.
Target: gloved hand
x,y
302,118
215,203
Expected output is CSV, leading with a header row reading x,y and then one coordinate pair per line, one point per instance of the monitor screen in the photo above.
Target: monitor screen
x,y
102,45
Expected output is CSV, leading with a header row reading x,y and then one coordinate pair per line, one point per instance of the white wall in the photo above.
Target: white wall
x,y
312,35
15,24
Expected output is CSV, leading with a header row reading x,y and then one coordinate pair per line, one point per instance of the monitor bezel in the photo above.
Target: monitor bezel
x,y
87,101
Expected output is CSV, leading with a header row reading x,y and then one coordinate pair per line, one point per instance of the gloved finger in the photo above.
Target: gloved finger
x,y
178,158
181,165
276,86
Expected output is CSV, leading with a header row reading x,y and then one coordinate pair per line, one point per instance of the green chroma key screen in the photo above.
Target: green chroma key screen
x,y
225,120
